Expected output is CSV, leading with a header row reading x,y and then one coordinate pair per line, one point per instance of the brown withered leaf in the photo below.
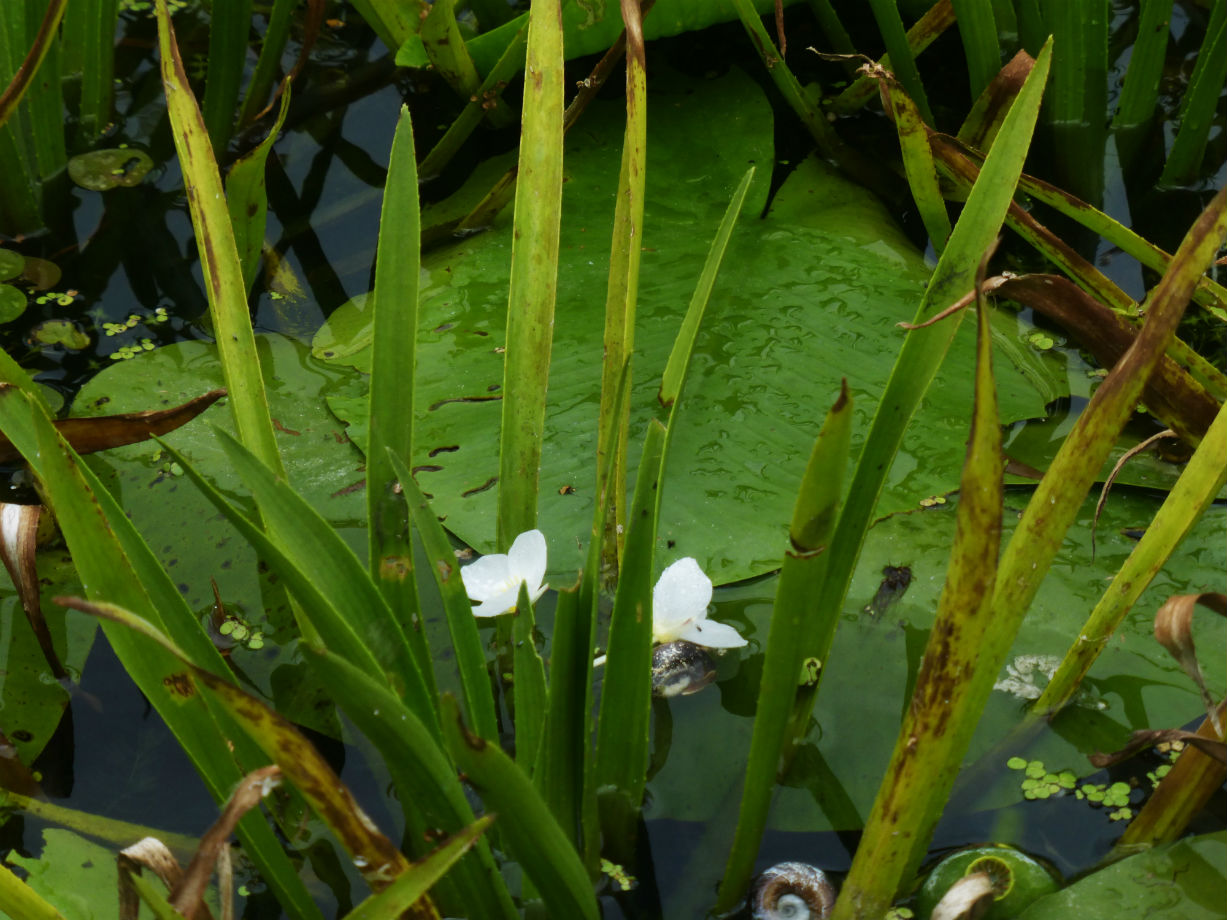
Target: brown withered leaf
x,y
148,853
1141,740
87,435
18,546
1171,393
1174,631
187,896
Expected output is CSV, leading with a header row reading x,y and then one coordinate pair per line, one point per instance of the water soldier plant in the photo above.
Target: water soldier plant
x,y
522,756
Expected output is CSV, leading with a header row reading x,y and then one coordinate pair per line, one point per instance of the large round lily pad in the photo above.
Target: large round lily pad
x,y
809,293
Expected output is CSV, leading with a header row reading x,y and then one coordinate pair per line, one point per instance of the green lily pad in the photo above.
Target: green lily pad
x,y
11,264
808,294
101,170
1186,880
75,875
12,303
60,332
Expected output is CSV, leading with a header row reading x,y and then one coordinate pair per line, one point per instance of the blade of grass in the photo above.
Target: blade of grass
x,y
622,290
982,123
812,117
927,28
390,408
533,836
918,162
530,700
396,900
902,61
921,355
425,778
394,21
840,42
927,754
534,275
376,858
1078,97
219,258
275,36
88,42
790,638
559,771
1140,93
450,58
674,377
462,625
342,606
1197,487
115,564
626,695
978,29
509,64
17,899
1201,103
42,45
568,750
229,26
247,198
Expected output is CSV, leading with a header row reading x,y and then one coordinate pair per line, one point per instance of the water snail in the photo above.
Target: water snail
x,y
792,891
680,668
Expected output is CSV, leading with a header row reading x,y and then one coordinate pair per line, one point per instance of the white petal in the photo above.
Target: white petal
x,y
682,593
498,603
527,558
487,576
711,634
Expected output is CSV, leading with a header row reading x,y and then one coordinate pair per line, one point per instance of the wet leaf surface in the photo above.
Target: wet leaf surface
x,y
1182,881
808,295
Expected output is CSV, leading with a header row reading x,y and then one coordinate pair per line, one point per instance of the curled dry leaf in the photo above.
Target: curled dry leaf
x,y
19,526
968,899
1174,631
1141,740
187,896
148,853
1120,464
87,435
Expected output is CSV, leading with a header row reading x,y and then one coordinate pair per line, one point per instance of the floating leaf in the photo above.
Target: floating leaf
x,y
101,170
1176,882
809,294
11,264
60,332
12,302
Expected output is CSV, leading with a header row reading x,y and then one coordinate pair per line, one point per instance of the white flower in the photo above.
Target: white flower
x,y
679,609
494,581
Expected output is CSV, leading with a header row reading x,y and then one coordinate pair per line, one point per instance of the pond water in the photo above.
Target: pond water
x,y
764,367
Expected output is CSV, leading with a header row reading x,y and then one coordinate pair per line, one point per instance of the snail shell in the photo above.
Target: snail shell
x,y
792,891
680,668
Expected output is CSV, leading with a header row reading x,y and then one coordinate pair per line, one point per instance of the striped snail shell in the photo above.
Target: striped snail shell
x,y
680,668
792,891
